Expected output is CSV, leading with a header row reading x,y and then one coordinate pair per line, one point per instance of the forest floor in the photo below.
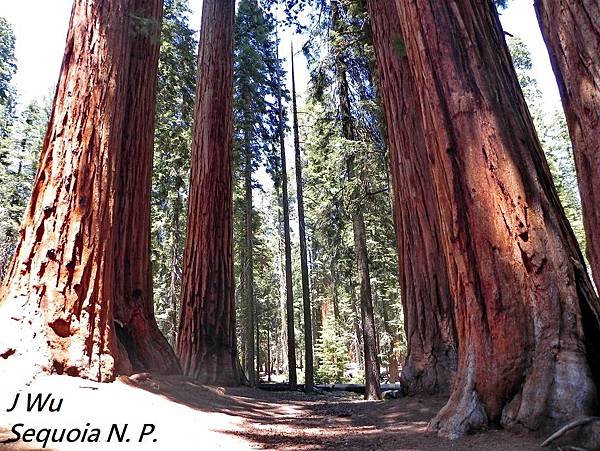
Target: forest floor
x,y
191,416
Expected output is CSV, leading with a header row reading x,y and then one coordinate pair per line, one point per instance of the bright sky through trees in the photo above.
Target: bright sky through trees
x,y
41,25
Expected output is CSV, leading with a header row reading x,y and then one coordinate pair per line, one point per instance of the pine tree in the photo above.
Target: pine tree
x,y
173,140
17,172
257,75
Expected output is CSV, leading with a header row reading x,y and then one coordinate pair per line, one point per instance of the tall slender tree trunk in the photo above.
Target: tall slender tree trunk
x,y
394,368
426,297
257,334
282,348
372,371
206,344
248,270
334,292
308,342
289,290
356,325
175,281
571,29
135,324
526,313
268,365
57,305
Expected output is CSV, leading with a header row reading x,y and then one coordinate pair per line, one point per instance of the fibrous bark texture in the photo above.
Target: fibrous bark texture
x,y
57,300
525,310
571,29
135,324
427,301
206,344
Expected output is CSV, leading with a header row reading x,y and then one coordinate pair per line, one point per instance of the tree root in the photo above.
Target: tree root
x,y
567,427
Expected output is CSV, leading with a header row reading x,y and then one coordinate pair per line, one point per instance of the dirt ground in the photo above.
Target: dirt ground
x,y
191,416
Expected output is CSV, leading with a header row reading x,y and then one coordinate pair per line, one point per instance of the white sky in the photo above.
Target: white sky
x,y
41,26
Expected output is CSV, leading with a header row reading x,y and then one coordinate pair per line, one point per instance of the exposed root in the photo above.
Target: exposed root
x,y
567,427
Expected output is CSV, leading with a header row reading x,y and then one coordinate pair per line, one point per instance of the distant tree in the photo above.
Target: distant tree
x,y
257,75
331,353
305,287
171,164
17,172
8,62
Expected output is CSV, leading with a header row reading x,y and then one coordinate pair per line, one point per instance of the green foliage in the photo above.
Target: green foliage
x,y
331,354
258,74
173,141
8,62
21,138
331,196
17,171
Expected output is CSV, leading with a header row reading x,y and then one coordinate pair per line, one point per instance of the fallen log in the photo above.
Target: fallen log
x,y
353,388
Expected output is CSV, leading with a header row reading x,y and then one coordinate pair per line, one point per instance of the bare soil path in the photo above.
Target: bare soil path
x,y
191,416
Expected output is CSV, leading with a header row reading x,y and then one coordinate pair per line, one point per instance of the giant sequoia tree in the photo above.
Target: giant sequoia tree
x,y
61,301
136,327
526,313
572,34
426,296
206,342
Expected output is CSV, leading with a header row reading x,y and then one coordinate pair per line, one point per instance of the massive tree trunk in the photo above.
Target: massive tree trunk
x,y
526,313
206,344
135,324
308,341
289,290
427,301
57,300
372,372
571,29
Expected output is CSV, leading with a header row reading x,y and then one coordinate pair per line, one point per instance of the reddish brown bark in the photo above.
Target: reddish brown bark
x,y
135,324
427,301
571,29
206,344
526,313
57,308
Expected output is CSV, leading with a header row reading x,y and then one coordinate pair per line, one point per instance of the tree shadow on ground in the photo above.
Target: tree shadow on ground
x,y
296,421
